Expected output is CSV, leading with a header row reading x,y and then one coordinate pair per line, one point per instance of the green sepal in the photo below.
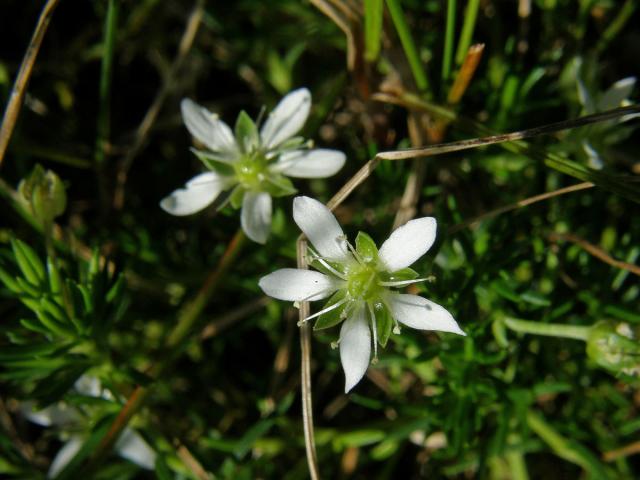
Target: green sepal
x,y
236,197
333,317
279,186
366,248
399,275
321,268
291,144
246,132
215,161
384,323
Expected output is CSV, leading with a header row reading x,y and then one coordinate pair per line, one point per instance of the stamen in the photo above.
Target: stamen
x,y
353,250
326,265
402,283
325,310
374,327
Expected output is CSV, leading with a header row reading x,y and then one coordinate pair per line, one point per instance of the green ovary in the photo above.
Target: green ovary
x,y
362,283
251,172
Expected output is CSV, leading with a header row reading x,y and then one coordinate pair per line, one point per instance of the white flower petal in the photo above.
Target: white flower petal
x,y
56,414
256,216
408,243
321,228
293,284
423,314
207,128
615,95
199,193
355,348
319,163
286,119
88,385
64,456
134,448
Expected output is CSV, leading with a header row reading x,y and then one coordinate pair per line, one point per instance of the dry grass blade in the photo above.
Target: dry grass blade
x,y
20,86
142,133
597,252
520,203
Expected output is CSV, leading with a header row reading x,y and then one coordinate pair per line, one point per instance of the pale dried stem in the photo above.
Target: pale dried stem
x,y
520,203
142,133
344,25
466,73
20,86
305,375
597,252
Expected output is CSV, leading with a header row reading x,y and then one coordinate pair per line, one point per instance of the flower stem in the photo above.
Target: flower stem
x,y
305,367
187,318
576,332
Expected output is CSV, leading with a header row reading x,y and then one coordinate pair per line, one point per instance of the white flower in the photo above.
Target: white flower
x,y
253,164
358,281
130,446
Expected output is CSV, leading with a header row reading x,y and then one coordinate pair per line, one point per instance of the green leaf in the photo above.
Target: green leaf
x,y
366,248
333,317
246,133
28,261
9,281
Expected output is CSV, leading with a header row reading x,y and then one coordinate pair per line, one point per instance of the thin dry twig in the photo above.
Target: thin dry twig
x,y
192,463
142,133
20,86
225,320
597,252
631,449
518,204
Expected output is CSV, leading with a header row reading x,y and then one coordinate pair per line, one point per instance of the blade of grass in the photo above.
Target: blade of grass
x,y
373,10
410,50
104,98
569,450
468,26
616,25
104,110
447,55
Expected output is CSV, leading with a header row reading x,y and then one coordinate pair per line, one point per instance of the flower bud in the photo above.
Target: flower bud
x,y
45,194
615,347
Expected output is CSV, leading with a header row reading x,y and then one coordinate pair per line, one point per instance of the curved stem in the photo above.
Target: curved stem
x,y
305,367
577,332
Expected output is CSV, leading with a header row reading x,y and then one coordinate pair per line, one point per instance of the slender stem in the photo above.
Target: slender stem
x,y
597,252
520,203
408,45
187,318
104,112
20,85
305,367
577,332
469,25
448,40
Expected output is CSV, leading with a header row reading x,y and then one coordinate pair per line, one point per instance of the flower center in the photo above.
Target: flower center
x,y
362,282
250,171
